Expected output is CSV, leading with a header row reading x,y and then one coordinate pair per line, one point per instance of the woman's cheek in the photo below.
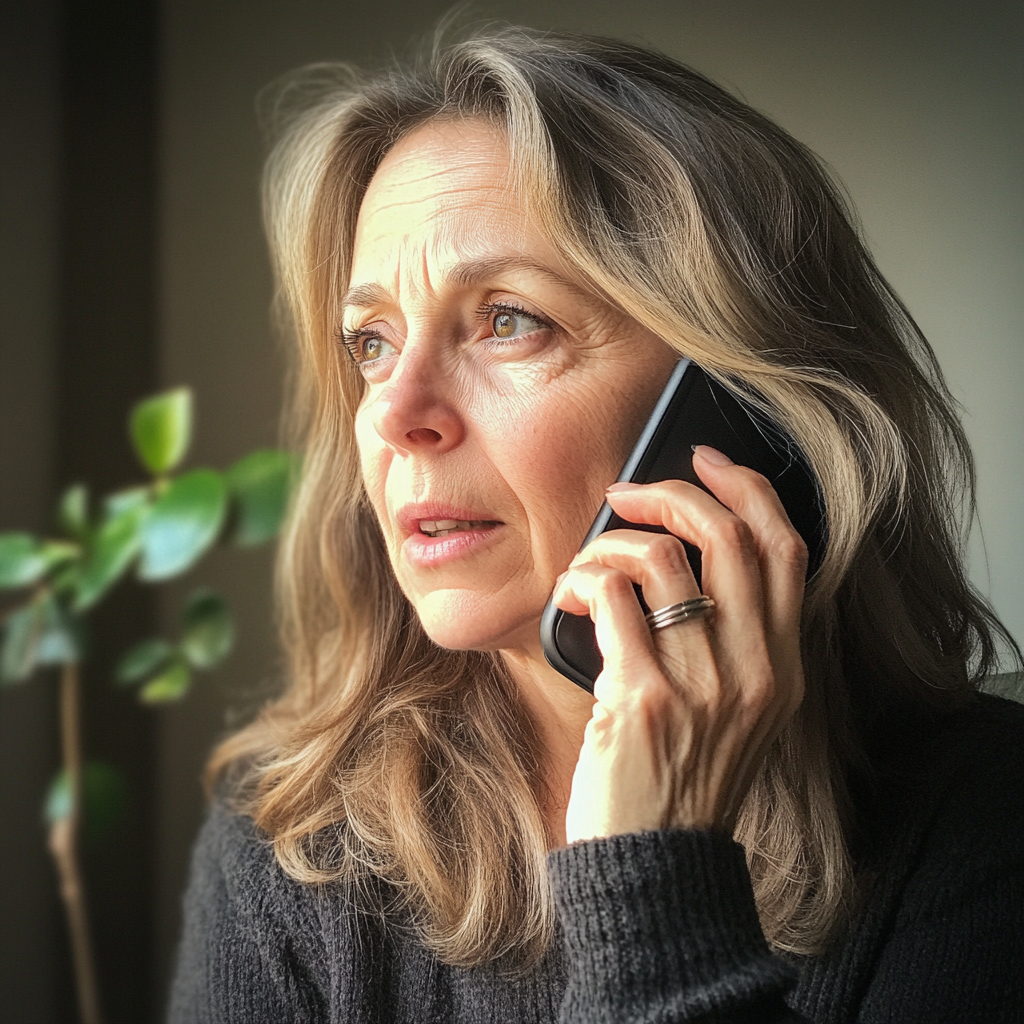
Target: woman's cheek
x,y
373,463
559,464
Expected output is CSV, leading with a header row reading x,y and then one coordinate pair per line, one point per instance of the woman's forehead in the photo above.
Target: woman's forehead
x,y
443,196
440,165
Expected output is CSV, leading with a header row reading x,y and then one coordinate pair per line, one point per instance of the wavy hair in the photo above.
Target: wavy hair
x,y
390,758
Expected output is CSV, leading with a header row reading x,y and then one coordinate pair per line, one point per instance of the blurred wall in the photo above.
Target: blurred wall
x,y
29,141
77,186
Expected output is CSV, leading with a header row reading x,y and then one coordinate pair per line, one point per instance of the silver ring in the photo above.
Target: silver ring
x,y
672,614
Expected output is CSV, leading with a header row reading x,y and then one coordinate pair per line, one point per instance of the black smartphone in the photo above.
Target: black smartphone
x,y
693,409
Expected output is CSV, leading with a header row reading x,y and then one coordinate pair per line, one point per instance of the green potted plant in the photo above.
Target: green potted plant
x,y
160,529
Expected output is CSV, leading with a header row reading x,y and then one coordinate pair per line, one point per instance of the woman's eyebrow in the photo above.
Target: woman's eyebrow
x,y
365,295
476,271
464,274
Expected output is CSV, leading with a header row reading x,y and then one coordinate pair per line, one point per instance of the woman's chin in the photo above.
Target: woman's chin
x,y
463,630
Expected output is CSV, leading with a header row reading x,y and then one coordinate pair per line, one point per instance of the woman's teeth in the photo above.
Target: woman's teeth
x,y
442,527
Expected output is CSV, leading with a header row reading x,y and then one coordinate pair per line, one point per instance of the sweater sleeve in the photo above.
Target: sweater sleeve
x,y
236,960
662,927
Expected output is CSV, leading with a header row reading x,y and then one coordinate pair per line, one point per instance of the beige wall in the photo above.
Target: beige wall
x,y
917,105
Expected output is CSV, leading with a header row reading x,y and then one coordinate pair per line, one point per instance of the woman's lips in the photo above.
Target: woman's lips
x,y
438,534
442,527
411,517
428,552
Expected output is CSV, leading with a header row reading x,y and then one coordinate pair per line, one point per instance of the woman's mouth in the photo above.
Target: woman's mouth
x,y
438,532
437,541
442,527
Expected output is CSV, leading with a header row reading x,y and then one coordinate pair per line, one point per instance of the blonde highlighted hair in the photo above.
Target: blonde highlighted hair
x,y
390,759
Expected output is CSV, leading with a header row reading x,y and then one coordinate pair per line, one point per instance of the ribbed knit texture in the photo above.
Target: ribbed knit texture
x,y
686,895
658,926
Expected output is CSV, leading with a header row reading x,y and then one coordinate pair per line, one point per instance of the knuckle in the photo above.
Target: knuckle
x,y
789,548
666,554
652,697
760,484
612,583
758,480
759,694
673,495
732,532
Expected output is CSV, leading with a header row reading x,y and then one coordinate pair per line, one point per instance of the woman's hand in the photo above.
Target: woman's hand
x,y
685,715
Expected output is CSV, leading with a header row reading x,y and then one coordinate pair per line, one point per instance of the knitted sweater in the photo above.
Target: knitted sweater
x,y
657,926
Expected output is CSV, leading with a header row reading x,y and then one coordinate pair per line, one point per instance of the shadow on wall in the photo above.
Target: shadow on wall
x,y
77,348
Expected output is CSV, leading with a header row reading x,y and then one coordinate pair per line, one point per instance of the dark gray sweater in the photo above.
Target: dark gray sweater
x,y
659,926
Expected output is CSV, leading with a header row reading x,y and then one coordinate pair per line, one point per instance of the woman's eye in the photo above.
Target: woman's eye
x,y
366,348
511,323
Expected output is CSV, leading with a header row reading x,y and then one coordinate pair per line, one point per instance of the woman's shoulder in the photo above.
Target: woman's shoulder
x,y
233,862
234,867
960,782
232,840
984,803
980,747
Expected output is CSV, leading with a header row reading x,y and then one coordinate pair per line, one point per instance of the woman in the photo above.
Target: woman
x,y
797,807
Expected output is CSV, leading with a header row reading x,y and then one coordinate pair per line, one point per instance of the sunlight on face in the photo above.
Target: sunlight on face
x,y
500,399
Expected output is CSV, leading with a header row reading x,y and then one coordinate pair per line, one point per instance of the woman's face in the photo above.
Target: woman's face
x,y
500,398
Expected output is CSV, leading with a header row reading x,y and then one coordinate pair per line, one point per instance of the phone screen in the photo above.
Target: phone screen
x,y
693,409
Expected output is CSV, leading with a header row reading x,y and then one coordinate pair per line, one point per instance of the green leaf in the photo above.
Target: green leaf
x,y
207,629
24,560
21,560
144,659
161,429
122,501
182,524
259,483
172,684
60,638
73,512
20,642
111,552
59,552
66,580
103,799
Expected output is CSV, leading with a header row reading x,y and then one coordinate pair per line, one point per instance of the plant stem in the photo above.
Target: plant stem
x,y
64,833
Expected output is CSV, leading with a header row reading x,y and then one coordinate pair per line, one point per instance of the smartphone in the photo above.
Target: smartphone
x,y
693,409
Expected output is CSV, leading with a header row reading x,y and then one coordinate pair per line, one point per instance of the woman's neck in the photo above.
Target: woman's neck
x,y
560,710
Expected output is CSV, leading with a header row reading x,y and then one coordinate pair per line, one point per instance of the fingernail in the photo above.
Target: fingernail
x,y
622,486
561,576
712,455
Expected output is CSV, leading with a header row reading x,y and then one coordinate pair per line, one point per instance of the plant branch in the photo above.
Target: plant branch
x,y
64,833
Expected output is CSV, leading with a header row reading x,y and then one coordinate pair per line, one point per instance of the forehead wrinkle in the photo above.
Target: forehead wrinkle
x,y
422,211
464,274
451,227
438,237
430,281
426,154
438,191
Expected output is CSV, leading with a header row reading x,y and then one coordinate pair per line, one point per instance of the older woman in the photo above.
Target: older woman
x,y
796,808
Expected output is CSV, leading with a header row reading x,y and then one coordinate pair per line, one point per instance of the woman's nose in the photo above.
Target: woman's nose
x,y
415,411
